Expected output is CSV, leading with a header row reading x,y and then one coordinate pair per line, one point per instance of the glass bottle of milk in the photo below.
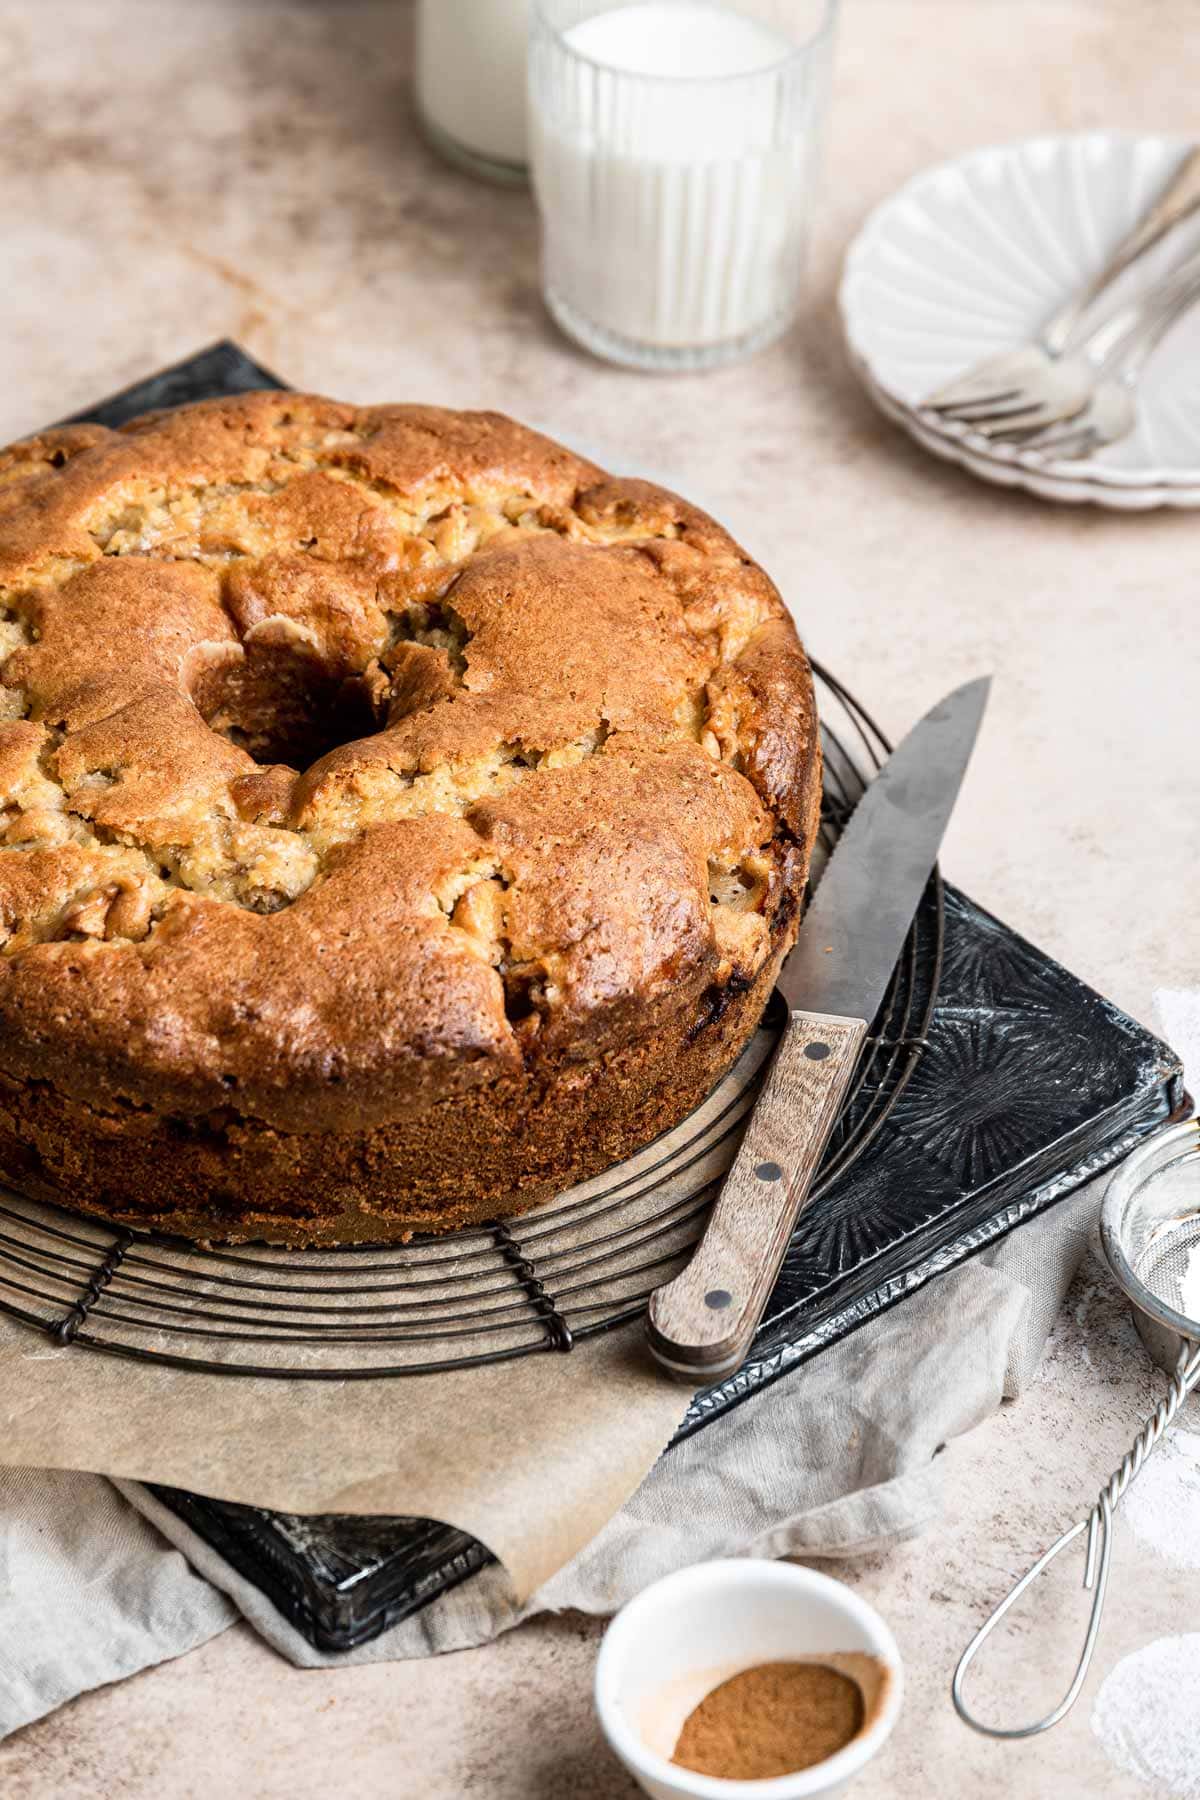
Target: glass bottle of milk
x,y
470,83
673,148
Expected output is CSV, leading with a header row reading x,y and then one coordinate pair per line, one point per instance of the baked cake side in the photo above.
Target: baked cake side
x,y
400,818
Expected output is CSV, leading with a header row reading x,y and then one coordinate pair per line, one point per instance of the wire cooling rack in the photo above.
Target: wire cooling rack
x,y
580,1265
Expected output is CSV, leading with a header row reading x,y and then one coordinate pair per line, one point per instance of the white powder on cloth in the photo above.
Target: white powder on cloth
x,y
1177,1013
1162,1508
1147,1715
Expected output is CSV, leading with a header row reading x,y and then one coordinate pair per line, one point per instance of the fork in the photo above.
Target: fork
x,y
1111,411
1040,383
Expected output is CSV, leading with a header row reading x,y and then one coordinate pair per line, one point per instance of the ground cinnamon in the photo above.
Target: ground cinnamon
x,y
770,1720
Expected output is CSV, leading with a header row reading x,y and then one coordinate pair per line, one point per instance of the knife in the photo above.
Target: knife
x,y
700,1325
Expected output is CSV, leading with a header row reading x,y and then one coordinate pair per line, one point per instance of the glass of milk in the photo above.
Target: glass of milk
x,y
470,83
673,146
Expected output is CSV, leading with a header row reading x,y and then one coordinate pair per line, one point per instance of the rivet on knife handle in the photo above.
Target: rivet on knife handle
x,y
700,1324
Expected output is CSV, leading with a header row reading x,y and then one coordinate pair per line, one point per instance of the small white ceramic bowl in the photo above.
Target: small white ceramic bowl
x,y
679,1638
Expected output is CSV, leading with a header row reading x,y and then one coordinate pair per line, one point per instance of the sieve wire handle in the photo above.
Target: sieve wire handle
x,y
1098,1525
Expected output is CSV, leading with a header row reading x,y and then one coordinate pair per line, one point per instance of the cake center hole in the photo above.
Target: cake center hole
x,y
286,705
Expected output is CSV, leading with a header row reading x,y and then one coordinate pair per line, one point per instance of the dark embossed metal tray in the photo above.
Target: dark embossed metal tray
x,y
1029,1085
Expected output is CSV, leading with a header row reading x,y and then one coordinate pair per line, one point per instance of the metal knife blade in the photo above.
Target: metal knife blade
x,y
855,926
701,1323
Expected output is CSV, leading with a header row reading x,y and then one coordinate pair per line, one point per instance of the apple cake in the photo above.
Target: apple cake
x,y
402,818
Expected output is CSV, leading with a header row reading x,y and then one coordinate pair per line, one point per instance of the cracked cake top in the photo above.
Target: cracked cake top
x,y
352,756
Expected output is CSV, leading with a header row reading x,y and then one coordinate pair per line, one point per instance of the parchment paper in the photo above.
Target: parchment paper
x,y
531,1456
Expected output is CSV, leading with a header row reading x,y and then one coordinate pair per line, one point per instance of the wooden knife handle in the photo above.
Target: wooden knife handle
x,y
700,1324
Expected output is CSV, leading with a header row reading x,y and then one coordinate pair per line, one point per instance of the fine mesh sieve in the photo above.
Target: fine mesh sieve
x,y
1150,1230
1169,1264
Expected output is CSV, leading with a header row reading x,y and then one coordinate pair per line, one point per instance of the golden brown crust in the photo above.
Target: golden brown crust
x,y
365,768
227,1177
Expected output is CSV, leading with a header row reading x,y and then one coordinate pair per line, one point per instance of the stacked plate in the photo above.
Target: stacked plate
x,y
972,257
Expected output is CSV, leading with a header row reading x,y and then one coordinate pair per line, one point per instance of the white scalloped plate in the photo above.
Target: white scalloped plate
x,y
971,257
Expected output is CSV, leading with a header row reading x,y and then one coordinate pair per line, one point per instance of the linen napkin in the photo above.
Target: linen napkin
x,y
838,1458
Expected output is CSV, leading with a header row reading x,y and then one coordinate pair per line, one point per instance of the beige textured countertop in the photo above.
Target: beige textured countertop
x,y
173,172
